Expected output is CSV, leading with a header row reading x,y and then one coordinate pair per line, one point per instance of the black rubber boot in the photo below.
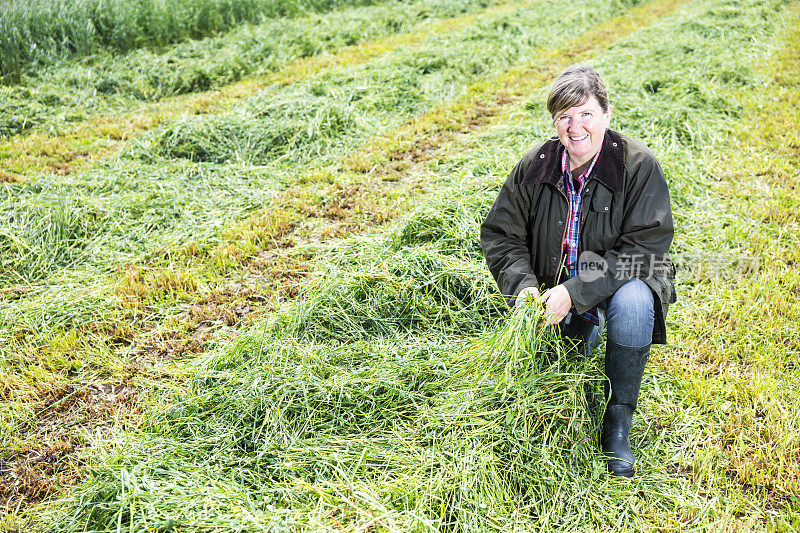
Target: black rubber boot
x,y
624,369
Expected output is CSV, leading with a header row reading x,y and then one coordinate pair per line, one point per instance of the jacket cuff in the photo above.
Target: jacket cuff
x,y
573,286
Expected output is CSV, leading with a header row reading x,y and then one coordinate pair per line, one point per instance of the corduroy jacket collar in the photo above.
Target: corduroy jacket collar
x,y
609,169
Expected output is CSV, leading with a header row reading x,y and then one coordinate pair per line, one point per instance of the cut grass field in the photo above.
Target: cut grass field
x,y
37,34
735,344
104,331
381,386
104,82
80,110
283,129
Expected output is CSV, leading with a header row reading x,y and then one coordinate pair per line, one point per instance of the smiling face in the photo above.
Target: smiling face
x,y
581,129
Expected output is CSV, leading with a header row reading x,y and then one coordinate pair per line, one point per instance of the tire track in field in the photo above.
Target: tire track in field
x,y
322,208
304,215
103,136
484,101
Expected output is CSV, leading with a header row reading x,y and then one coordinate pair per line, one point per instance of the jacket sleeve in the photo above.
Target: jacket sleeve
x,y
641,250
504,236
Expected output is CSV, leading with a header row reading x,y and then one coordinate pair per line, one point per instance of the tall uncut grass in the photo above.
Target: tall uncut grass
x,y
41,32
396,395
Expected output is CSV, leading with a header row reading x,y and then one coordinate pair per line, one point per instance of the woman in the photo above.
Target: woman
x,y
586,216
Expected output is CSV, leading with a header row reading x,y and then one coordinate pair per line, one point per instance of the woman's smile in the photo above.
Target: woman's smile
x,y
581,129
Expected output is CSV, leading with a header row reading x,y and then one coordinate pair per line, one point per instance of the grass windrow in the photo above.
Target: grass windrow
x,y
55,97
36,34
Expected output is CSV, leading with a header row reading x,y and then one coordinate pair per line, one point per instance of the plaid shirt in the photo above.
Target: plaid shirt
x,y
571,246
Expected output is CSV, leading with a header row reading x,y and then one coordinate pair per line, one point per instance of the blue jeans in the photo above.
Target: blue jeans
x,y
629,314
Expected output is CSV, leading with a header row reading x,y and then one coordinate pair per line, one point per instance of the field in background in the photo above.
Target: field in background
x,y
36,34
59,96
265,307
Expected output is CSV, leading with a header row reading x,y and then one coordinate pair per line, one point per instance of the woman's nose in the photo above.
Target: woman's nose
x,y
574,122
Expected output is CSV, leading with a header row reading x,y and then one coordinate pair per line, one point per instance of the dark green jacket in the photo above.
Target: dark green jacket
x,y
626,221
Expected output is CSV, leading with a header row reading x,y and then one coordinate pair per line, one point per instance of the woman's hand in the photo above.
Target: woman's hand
x,y
528,293
558,302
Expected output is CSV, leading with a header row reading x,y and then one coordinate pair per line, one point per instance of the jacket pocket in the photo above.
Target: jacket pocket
x,y
601,200
597,231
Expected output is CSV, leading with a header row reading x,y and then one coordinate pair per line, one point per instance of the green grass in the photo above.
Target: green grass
x,y
68,91
370,401
323,116
93,220
394,394
151,200
179,297
37,33
367,425
140,207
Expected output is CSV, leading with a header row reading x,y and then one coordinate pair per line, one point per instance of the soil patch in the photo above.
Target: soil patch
x,y
58,439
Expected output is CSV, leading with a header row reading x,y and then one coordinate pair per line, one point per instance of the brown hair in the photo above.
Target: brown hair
x,y
573,86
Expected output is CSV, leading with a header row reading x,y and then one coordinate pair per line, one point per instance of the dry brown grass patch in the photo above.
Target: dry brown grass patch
x,y
52,455
5,177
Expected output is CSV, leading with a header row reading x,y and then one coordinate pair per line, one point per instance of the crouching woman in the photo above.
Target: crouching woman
x,y
585,218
